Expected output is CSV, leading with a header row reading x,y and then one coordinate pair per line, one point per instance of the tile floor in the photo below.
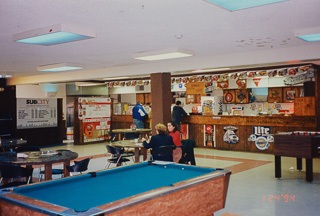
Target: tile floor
x,y
253,189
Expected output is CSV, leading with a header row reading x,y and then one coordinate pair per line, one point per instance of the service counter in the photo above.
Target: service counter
x,y
125,121
234,132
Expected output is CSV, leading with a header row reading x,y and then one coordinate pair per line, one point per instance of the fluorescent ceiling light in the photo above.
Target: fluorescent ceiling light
x,y
210,69
163,54
60,67
115,78
5,76
88,83
55,34
309,35
242,4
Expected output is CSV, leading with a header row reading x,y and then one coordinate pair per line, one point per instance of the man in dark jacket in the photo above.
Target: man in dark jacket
x,y
177,113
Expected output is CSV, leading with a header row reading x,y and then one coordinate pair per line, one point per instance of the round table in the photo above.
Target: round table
x,y
140,131
132,144
39,158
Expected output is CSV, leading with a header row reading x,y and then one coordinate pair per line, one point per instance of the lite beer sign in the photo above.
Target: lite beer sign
x,y
262,137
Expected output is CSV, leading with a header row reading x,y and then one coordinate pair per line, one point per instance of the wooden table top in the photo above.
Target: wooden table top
x,y
140,130
127,144
37,157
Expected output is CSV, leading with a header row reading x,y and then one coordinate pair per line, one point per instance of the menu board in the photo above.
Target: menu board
x,y
95,114
195,88
36,113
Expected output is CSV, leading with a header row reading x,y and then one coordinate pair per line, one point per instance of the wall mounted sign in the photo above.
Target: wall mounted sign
x,y
242,96
195,88
228,96
289,94
209,135
230,135
261,136
95,114
36,113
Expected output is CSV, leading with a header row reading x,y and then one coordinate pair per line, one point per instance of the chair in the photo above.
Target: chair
x,y
26,149
130,136
163,153
116,156
79,166
187,152
13,172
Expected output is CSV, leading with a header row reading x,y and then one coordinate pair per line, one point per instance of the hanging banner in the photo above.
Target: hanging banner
x,y
256,81
36,113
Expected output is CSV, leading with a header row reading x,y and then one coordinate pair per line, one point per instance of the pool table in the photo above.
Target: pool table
x,y
149,188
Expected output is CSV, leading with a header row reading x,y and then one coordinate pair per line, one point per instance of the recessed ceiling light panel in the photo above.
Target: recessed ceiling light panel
x,y
309,35
56,34
60,67
163,54
233,5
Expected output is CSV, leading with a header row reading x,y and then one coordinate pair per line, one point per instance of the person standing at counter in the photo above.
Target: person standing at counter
x,y
138,114
175,133
177,113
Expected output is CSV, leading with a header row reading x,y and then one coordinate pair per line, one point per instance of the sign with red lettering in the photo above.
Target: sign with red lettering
x,y
95,114
36,113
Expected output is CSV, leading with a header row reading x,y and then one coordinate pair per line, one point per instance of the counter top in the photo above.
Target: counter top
x,y
294,121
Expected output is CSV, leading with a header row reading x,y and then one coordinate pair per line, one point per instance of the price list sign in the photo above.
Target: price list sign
x,y
36,113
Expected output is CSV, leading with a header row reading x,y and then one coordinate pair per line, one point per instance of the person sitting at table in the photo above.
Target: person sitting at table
x,y
158,141
175,133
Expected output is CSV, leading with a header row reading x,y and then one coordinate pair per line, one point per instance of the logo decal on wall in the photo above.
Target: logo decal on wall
x,y
230,135
262,137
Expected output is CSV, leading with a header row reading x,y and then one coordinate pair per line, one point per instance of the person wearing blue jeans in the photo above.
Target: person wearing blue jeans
x,y
138,114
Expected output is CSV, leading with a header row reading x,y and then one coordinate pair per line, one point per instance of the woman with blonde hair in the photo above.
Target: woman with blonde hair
x,y
159,140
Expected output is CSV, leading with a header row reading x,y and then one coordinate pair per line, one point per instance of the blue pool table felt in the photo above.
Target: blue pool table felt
x,y
84,192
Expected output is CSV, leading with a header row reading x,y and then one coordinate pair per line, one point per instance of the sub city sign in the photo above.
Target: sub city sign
x,y
36,113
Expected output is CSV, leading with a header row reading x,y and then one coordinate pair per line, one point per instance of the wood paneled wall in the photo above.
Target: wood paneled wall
x,y
245,129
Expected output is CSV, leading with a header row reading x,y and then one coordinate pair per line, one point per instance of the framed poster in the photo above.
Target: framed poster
x,y
275,95
289,94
